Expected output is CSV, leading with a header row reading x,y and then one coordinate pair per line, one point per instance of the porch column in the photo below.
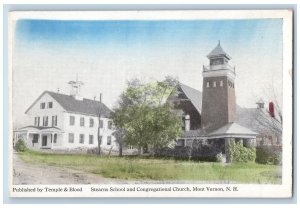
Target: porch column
x,y
27,141
40,140
52,140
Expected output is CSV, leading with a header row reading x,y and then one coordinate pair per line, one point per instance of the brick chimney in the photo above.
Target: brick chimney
x,y
271,109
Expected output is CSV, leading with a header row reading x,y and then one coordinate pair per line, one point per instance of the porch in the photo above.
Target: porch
x,y
36,137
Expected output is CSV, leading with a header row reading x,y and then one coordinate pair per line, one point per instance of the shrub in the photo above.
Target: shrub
x,y
268,155
198,152
238,153
177,152
20,146
219,157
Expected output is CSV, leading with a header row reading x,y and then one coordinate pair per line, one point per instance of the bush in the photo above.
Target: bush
x,y
219,157
268,155
204,152
238,153
177,152
197,152
20,146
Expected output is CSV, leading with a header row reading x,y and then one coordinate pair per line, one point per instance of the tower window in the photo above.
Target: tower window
x,y
215,84
221,83
207,84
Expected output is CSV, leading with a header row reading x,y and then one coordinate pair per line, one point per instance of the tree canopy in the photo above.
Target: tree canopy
x,y
145,116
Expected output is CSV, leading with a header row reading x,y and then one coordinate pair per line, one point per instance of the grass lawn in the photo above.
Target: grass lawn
x,y
139,168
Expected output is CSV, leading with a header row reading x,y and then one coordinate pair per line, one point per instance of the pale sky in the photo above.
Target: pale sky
x,y
47,54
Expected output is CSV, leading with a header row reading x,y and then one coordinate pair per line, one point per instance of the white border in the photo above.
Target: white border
x,y
272,191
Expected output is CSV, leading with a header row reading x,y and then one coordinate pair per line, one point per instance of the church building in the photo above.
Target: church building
x,y
212,116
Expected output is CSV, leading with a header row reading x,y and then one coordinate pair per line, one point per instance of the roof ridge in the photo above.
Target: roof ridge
x,y
180,83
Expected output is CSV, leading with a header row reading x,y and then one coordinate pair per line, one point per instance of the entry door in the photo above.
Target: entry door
x,y
44,141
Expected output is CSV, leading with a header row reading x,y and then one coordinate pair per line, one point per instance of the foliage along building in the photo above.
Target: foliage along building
x,y
60,121
213,117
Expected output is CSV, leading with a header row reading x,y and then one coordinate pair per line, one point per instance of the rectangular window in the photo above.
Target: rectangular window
x,y
108,140
207,84
42,105
38,121
72,120
55,138
81,138
35,121
109,124
35,138
50,105
45,121
91,139
81,121
54,120
91,122
101,123
71,138
215,83
221,83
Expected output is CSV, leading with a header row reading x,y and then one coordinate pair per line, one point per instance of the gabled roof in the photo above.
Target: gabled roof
x,y
85,106
233,129
254,119
258,120
218,51
195,96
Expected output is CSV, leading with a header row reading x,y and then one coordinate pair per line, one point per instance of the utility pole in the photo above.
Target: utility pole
x,y
99,126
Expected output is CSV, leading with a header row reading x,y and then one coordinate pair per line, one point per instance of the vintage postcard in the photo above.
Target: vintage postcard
x,y
151,103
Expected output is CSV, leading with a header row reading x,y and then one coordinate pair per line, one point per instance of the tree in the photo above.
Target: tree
x,y
119,134
268,124
148,121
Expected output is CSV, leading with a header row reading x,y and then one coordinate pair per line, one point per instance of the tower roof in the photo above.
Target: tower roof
x,y
218,51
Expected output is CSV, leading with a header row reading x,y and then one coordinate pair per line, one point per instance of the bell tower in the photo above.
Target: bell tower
x,y
218,98
76,88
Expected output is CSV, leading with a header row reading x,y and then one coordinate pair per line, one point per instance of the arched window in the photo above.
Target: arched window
x,y
207,84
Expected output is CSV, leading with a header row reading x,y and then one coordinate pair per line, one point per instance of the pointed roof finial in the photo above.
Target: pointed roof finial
x,y
218,51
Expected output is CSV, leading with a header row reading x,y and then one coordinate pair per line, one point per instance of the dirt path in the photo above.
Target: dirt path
x,y
27,173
